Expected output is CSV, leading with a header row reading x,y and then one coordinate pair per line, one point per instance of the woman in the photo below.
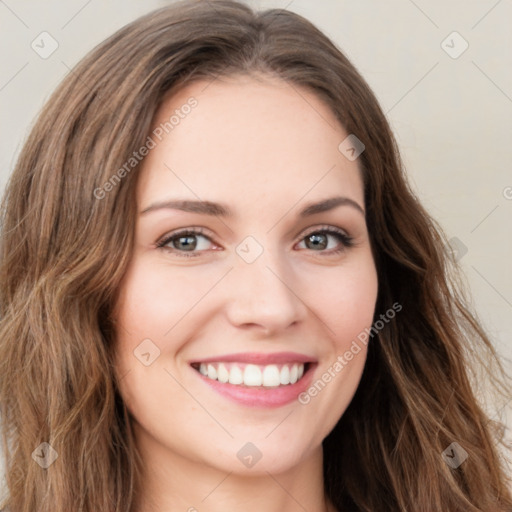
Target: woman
x,y
218,289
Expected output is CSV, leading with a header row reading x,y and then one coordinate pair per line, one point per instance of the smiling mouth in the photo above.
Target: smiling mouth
x,y
252,375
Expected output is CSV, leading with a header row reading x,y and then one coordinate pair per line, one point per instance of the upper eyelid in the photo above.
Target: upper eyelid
x,y
194,230
324,227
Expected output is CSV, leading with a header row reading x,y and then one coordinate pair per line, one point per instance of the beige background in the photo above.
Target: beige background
x,y
452,114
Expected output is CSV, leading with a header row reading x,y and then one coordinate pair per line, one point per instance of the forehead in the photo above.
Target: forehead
x,y
258,139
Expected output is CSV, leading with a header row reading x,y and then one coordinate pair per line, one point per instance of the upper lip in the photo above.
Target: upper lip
x,y
259,358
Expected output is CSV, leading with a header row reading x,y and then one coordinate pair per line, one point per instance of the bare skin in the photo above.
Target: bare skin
x,y
264,151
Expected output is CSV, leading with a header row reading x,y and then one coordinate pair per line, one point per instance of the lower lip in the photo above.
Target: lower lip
x,y
262,397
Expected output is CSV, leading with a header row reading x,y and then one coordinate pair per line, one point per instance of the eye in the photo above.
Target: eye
x,y
326,239
191,241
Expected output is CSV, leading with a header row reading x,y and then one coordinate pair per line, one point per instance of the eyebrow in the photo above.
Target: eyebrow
x,y
222,210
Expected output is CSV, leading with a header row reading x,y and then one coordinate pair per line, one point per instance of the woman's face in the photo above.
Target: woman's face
x,y
242,270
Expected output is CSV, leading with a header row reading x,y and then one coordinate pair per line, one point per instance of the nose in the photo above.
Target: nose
x,y
263,296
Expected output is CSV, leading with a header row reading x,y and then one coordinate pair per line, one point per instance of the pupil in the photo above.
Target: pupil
x,y
317,241
187,242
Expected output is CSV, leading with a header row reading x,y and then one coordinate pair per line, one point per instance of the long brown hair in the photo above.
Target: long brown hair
x,y
65,247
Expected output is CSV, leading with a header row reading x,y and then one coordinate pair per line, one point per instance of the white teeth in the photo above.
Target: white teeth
x,y
271,376
285,375
212,372
222,373
235,375
252,375
294,372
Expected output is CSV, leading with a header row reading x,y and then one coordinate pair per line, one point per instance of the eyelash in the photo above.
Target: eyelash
x,y
346,240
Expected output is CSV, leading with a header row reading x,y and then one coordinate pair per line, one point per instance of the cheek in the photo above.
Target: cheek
x,y
344,298
147,317
154,299
345,303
